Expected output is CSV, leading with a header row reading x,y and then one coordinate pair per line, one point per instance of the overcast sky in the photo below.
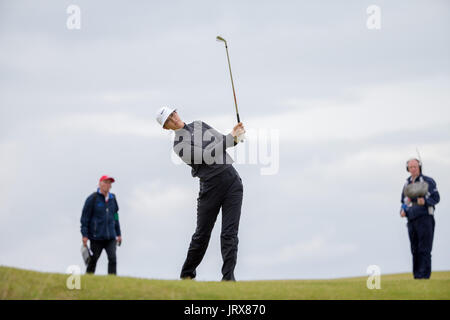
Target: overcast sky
x,y
347,105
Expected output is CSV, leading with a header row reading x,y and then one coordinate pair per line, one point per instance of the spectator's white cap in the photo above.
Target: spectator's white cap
x,y
163,114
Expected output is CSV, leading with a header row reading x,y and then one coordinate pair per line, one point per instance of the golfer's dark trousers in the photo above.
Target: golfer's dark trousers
x,y
421,232
224,191
97,247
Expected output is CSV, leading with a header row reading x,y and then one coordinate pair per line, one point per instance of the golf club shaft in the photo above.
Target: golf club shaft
x,y
232,84
219,38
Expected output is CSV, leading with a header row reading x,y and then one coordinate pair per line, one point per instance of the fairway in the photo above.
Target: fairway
x,y
24,284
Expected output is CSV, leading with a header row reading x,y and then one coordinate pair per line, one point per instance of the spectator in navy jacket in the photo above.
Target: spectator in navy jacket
x,y
100,225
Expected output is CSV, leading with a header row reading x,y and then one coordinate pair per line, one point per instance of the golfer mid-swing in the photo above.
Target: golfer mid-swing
x,y
204,150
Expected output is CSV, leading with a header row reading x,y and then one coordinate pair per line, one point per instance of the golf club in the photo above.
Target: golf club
x,y
219,38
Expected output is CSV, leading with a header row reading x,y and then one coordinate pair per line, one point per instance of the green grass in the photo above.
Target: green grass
x,y
23,284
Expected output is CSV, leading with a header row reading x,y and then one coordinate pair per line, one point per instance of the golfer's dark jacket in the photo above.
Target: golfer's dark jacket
x,y
100,219
431,199
203,148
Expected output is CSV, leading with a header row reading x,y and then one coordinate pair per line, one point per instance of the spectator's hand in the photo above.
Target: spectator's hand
x,y
238,130
119,240
403,214
421,201
85,240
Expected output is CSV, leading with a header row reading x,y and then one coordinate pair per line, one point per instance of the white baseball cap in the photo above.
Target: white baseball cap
x,y
163,114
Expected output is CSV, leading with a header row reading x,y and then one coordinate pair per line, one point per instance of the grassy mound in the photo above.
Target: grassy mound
x,y
23,284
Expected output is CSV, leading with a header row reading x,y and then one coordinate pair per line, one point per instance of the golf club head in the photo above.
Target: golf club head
x,y
219,38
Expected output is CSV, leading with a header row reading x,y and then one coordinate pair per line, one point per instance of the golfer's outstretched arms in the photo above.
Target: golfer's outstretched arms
x,y
230,139
209,147
191,153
